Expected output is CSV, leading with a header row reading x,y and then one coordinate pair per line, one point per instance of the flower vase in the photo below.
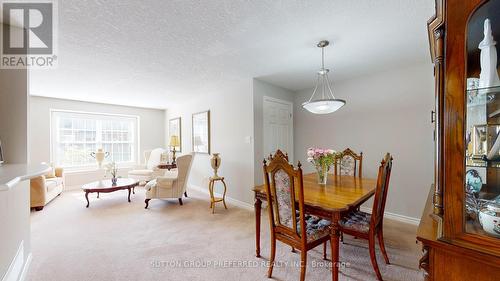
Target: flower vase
x,y
322,175
114,180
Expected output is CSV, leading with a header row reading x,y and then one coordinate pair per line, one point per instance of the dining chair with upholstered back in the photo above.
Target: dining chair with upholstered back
x,y
288,221
349,163
367,226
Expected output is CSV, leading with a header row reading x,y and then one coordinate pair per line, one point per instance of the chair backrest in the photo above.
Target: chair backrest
x,y
349,163
384,174
271,155
153,157
283,184
184,164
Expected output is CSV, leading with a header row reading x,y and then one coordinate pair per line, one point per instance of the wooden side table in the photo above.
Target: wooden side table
x,y
167,166
214,199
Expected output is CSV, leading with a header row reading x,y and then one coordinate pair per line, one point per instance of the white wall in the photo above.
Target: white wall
x,y
385,112
231,135
16,230
14,204
14,115
263,89
151,126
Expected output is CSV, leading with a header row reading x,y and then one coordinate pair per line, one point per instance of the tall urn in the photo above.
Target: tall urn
x,y
215,162
99,156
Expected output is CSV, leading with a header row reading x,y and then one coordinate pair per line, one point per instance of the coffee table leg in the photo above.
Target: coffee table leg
x,y
87,197
129,189
97,194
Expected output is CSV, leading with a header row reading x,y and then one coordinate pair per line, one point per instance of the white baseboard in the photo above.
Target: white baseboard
x,y
27,264
395,217
229,200
18,268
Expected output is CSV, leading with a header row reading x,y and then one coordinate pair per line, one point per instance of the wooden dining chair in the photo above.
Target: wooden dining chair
x,y
349,163
288,221
367,226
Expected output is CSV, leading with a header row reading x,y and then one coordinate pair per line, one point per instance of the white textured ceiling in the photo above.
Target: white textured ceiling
x,y
155,53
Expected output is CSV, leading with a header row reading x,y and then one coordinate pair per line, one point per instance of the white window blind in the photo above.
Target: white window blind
x,y
75,135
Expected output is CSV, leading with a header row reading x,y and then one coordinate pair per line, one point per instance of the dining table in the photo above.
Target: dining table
x,y
341,195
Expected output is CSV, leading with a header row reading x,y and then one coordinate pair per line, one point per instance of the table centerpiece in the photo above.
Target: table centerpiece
x,y
322,159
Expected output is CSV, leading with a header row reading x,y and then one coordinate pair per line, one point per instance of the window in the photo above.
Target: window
x,y
75,135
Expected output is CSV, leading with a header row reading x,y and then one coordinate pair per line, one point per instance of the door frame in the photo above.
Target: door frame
x,y
291,138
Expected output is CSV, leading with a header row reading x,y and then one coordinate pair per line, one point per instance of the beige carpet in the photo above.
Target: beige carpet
x,y
117,240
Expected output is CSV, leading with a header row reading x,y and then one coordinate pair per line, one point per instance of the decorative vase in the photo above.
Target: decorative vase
x,y
322,175
114,180
99,156
489,217
215,162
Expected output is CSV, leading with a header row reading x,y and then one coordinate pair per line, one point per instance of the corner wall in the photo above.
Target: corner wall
x,y
263,89
231,121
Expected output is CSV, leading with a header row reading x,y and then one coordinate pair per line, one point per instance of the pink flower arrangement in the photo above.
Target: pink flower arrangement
x,y
322,159
315,155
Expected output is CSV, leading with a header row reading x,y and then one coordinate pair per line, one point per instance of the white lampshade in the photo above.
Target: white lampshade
x,y
323,106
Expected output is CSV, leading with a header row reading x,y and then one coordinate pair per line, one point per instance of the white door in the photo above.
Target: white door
x,y
278,127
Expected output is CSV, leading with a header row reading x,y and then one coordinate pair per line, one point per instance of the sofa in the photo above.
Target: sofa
x,y
44,189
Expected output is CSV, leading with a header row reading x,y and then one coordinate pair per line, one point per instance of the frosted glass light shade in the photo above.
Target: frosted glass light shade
x,y
323,106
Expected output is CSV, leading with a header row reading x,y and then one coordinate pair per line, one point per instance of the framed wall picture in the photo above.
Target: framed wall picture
x,y
174,129
201,132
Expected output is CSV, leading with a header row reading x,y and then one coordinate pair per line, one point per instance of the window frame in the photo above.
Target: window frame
x,y
136,135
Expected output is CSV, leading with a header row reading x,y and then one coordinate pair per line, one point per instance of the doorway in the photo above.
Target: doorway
x,y
278,126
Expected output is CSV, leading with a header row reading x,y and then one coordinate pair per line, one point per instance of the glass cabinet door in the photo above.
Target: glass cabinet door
x,y
482,128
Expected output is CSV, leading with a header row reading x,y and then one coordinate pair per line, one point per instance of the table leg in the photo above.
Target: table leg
x,y
97,194
87,197
258,208
334,242
224,195
211,191
129,190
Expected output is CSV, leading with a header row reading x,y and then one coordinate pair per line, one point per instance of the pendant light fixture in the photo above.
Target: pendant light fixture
x,y
326,103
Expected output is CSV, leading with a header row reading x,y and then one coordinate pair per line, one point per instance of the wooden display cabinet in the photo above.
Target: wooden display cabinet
x,y
457,243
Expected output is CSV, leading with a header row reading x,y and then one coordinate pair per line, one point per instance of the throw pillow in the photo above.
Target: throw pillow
x,y
51,173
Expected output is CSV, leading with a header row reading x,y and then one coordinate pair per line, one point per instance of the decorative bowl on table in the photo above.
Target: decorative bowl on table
x,y
489,217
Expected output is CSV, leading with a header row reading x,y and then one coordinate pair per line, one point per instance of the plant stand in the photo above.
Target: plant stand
x,y
214,199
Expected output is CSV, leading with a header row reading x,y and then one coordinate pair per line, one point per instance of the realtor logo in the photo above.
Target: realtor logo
x,y
28,34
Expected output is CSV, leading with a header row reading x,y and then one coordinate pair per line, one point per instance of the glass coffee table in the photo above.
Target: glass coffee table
x,y
106,186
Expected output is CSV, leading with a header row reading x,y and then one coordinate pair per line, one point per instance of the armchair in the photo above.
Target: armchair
x,y
148,171
172,184
45,188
